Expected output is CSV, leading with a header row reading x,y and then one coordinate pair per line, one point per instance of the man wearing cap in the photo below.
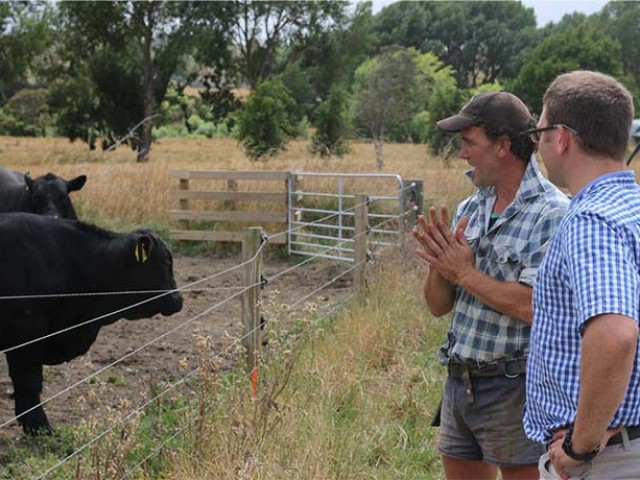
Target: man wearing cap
x,y
481,268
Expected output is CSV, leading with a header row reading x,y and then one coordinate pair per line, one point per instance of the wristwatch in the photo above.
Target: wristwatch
x,y
568,449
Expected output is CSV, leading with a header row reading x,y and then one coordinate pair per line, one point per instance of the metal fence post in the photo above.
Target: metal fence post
x,y
294,200
413,202
360,243
250,298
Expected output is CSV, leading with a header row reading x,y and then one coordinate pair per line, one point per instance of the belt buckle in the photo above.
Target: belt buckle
x,y
506,369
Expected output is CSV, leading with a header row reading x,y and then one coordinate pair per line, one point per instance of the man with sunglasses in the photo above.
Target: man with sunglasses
x,y
482,269
583,377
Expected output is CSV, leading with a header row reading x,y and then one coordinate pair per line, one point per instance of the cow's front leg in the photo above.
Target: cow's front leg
x,y
25,369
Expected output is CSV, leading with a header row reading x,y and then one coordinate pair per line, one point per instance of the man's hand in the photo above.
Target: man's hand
x,y
446,251
561,461
422,231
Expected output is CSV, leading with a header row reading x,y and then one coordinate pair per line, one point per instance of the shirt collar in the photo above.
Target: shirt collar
x,y
531,185
622,177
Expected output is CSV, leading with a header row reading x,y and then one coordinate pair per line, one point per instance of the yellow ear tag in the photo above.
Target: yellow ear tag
x,y
141,254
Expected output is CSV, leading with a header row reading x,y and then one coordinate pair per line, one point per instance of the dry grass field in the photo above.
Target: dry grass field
x,y
362,410
121,193
345,396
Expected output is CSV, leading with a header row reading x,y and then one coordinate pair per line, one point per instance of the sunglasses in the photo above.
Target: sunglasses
x,y
536,133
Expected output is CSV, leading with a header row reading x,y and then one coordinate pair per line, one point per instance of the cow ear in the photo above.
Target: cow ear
x,y
76,184
28,182
143,248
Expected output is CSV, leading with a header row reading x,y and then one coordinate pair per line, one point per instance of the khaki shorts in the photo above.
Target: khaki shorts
x,y
489,429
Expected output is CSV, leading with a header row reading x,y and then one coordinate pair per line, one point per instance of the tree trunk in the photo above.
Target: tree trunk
x,y
377,144
144,146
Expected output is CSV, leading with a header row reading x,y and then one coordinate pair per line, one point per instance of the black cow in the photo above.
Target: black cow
x,y
45,195
41,256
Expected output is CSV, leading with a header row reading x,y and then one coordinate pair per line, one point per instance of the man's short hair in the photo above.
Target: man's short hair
x,y
522,146
596,106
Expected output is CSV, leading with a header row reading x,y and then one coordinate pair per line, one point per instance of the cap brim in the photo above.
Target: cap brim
x,y
456,123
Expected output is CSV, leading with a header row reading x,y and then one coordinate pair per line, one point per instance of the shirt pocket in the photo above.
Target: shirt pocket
x,y
506,263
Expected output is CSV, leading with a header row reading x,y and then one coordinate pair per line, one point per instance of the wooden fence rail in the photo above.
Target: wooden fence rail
x,y
232,205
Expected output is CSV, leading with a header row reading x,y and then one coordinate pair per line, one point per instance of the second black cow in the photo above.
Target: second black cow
x,y
45,195
42,259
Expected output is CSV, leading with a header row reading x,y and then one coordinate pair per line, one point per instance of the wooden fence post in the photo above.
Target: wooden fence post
x,y
252,338
184,204
232,186
360,243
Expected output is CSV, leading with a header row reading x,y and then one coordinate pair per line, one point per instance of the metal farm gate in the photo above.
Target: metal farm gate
x,y
321,211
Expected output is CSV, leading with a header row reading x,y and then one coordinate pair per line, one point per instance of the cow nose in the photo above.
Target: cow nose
x,y
174,304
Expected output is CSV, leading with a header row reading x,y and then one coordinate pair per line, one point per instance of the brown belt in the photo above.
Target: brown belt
x,y
510,368
467,371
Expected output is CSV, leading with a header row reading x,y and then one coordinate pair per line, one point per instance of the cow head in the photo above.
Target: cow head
x,y
50,194
151,268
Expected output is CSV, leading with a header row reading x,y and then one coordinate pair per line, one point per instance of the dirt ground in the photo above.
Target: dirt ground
x,y
172,356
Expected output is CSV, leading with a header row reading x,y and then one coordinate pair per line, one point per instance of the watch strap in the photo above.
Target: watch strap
x,y
567,447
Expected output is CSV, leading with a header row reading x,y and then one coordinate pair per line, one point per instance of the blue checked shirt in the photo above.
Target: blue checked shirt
x,y
510,250
592,268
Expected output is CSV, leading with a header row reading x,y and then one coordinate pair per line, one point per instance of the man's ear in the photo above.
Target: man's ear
x,y
563,140
503,146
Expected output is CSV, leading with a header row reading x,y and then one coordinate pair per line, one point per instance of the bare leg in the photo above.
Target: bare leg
x,y
459,469
525,472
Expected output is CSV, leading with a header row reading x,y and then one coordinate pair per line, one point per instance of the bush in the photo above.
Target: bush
x,y
266,125
298,82
169,131
10,125
213,130
445,101
26,113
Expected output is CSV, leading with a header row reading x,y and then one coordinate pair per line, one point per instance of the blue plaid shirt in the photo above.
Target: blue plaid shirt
x,y
592,268
510,250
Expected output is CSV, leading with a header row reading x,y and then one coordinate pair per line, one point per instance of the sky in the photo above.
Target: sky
x,y
545,10
552,11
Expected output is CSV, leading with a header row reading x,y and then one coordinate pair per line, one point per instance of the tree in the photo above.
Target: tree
x,y
24,36
482,40
30,110
268,35
582,47
332,56
265,123
445,99
332,126
124,53
621,20
383,93
395,93
298,83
